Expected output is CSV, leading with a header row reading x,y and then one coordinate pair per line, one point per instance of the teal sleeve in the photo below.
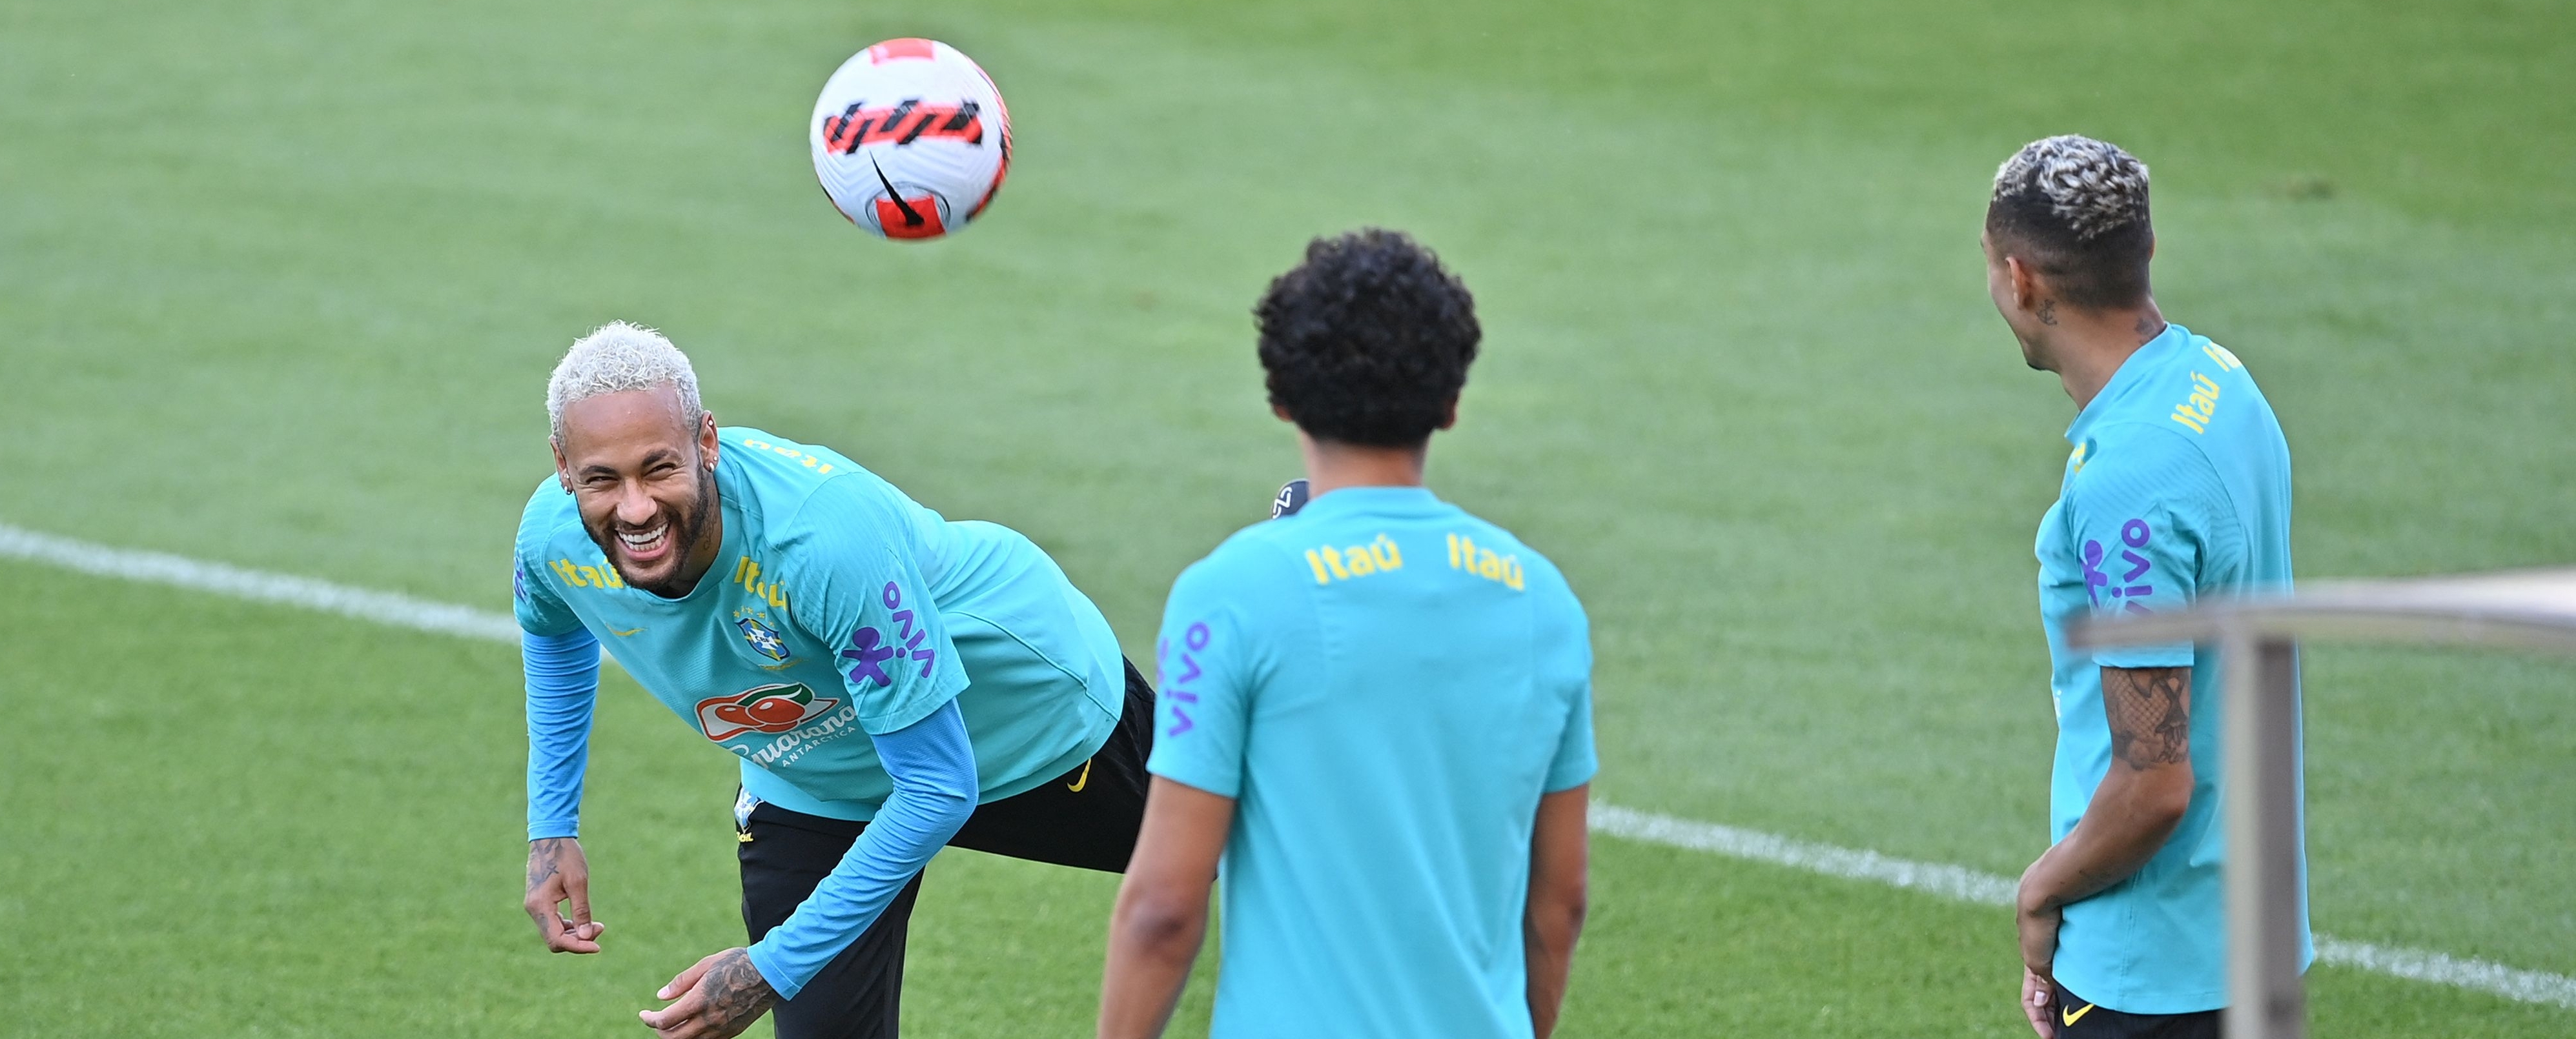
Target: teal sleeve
x,y
1207,680
538,609
533,600
1570,665
853,580
2142,518
1575,762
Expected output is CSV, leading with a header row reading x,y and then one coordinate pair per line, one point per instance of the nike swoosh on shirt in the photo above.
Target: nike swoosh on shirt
x,y
623,634
2072,1016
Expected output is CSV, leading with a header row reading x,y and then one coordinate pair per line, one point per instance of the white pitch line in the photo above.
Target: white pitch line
x,y
1957,883
1961,884
2529,986
387,608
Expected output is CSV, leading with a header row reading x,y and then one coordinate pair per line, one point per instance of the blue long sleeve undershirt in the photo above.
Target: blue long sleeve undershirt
x,y
933,768
931,762
563,686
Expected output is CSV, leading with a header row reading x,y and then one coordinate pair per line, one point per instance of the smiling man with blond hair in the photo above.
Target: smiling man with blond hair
x,y
891,682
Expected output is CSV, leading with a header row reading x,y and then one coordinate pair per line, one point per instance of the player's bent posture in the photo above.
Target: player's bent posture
x,y
891,681
2178,488
1376,714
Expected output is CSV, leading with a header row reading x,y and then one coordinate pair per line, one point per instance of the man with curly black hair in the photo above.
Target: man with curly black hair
x,y
1376,712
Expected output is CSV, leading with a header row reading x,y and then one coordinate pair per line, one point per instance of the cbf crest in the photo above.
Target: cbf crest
x,y
764,639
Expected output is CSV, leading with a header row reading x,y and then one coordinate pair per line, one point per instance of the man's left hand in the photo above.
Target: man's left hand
x,y
716,999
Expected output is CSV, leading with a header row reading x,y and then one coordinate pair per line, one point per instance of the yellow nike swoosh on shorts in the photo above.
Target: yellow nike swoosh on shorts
x,y
2072,1016
1083,781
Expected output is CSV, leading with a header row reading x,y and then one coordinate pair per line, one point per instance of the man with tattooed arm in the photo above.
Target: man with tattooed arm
x,y
891,681
2178,488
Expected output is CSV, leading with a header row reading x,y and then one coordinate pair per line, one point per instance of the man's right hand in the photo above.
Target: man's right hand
x,y
557,874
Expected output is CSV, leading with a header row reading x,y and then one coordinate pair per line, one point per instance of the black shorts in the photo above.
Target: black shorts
x,y
2078,1018
1087,817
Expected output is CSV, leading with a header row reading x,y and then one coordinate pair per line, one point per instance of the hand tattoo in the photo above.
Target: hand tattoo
x,y
2150,713
543,854
2048,312
736,994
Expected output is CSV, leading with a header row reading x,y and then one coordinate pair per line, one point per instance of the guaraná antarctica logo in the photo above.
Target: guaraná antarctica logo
x,y
769,708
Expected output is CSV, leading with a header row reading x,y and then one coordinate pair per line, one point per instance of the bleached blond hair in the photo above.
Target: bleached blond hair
x,y
617,357
2093,186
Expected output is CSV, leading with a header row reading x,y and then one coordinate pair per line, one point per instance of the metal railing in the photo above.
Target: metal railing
x,y
2257,640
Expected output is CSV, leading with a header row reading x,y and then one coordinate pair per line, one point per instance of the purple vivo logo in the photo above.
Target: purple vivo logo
x,y
870,649
1177,689
2134,534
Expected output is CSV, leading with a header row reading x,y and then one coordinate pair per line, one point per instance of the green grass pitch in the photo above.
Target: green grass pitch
x,y
280,282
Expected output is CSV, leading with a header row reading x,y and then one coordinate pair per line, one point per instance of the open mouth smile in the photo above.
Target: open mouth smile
x,y
646,545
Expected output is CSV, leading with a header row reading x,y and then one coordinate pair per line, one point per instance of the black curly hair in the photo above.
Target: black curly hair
x,y
1368,340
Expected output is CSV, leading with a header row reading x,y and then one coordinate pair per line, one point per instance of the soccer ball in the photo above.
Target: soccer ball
x,y
911,140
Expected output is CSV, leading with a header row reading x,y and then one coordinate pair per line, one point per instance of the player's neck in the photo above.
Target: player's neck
x,y
1332,465
2088,347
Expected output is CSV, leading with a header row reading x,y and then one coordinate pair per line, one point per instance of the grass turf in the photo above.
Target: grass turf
x,y
285,278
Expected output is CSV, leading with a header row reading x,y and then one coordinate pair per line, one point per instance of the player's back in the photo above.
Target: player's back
x,y
1392,684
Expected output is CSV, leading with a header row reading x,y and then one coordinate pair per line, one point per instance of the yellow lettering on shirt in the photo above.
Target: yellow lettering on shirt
x,y
585,575
1507,571
2194,412
746,572
820,467
1387,556
1332,564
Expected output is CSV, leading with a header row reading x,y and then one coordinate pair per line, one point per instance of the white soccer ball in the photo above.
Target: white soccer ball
x,y
911,140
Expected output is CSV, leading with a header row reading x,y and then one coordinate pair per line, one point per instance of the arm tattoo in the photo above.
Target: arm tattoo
x,y
2150,713
736,993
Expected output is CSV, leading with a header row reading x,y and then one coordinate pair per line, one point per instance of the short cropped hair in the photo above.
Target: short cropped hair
x,y
1367,341
2075,209
617,357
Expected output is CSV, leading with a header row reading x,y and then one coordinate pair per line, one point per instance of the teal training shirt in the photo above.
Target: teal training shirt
x,y
838,606
1386,685
2179,488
